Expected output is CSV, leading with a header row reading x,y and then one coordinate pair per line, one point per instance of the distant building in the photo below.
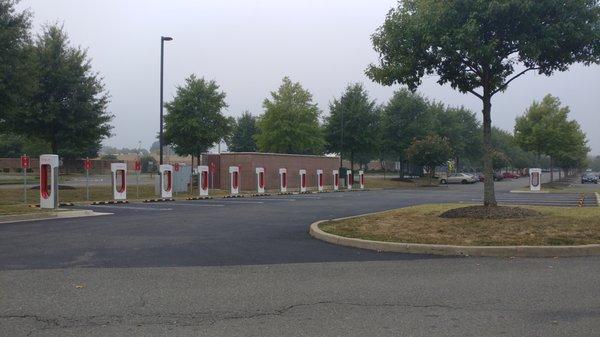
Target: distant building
x,y
272,162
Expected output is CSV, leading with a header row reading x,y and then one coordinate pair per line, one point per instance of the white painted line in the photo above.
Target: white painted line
x,y
133,207
198,204
279,199
242,202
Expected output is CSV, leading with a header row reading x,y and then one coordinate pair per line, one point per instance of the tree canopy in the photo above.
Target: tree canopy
x,y
351,127
480,46
16,76
405,117
545,129
429,152
68,107
290,123
194,119
242,135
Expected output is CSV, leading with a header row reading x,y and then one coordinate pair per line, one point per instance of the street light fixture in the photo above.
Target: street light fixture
x,y
160,132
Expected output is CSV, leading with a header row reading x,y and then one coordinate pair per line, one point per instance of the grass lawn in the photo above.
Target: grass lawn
x,y
422,224
11,200
566,187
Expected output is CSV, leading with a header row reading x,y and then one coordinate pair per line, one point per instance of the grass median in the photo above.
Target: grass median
x,y
423,224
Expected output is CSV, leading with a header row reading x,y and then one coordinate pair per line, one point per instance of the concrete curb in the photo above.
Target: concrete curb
x,y
452,250
46,216
532,192
597,198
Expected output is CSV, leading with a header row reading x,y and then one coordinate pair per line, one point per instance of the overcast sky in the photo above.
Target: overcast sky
x,y
249,46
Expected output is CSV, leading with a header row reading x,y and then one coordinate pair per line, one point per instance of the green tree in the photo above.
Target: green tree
x,y
351,127
290,123
461,128
68,108
429,152
406,116
545,129
242,136
481,46
507,153
16,76
194,120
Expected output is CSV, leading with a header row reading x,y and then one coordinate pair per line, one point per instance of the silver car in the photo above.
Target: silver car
x,y
458,178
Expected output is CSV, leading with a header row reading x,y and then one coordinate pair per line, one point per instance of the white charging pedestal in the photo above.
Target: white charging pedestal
x,y
49,181
349,179
260,180
203,180
336,180
535,179
361,179
283,180
320,180
234,180
166,179
119,180
302,181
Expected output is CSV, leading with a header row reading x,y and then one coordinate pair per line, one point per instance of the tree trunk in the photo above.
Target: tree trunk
x,y
489,197
551,169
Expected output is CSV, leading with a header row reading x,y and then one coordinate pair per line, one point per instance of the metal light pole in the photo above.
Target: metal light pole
x,y
160,133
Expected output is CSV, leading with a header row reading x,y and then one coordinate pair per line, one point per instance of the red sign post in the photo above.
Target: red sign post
x,y
25,167
24,161
137,166
87,166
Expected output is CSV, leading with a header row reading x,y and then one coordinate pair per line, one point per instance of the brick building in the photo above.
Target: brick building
x,y
272,162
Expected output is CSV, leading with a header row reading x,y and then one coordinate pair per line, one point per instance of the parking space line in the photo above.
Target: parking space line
x,y
197,204
132,207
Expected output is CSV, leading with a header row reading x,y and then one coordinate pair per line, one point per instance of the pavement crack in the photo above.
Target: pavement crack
x,y
207,318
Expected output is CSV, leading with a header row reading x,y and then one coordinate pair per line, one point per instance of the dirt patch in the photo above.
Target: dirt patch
x,y
485,212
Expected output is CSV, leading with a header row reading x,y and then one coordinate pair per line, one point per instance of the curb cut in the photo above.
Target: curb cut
x,y
58,215
452,250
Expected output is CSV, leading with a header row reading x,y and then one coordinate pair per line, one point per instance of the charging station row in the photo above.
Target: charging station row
x,y
49,165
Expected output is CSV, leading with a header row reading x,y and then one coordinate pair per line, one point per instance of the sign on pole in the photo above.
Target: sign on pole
x,y
25,167
87,166
138,168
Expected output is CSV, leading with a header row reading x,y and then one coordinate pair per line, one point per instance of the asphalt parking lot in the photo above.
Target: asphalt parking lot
x,y
247,267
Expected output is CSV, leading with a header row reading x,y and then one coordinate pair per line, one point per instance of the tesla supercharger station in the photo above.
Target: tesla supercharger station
x,y
302,181
49,181
203,180
320,180
260,180
119,180
349,179
361,179
234,179
283,180
166,179
336,180
535,179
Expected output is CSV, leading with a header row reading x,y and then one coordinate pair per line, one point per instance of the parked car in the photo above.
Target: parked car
x,y
589,177
497,177
458,178
510,175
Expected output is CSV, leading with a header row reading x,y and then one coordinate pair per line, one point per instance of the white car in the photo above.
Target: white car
x,y
458,178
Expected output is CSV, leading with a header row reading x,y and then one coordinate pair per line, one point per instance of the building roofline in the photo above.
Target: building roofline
x,y
269,154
